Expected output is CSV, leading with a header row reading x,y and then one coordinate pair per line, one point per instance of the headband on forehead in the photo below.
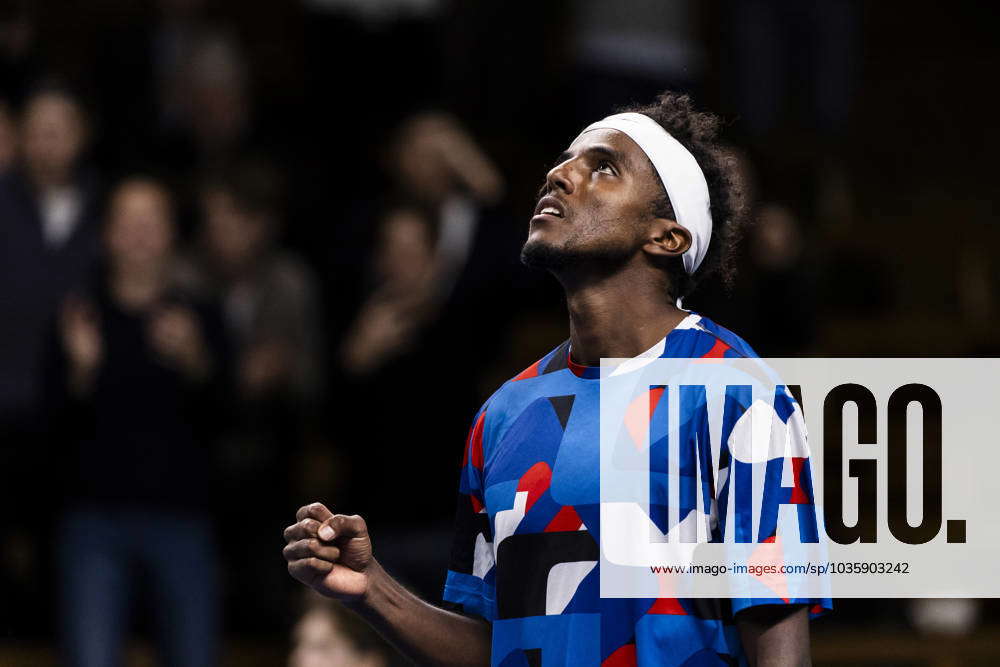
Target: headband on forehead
x,y
680,174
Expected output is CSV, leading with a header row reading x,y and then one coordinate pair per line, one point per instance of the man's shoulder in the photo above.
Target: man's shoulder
x,y
703,337
554,360
531,380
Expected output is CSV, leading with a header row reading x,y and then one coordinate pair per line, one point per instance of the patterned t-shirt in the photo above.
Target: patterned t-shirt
x,y
525,554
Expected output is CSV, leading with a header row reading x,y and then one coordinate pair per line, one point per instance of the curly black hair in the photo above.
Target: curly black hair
x,y
698,131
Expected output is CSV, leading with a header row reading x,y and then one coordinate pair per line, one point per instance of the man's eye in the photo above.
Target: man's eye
x,y
605,166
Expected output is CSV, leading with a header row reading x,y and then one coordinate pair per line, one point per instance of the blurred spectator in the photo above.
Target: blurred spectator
x,y
272,316
327,635
784,283
211,104
19,61
48,211
632,49
137,382
793,64
8,138
438,277
269,295
407,275
48,205
792,73
179,88
140,70
443,180
775,296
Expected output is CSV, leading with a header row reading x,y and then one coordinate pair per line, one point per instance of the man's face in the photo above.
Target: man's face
x,y
53,137
597,201
140,229
233,236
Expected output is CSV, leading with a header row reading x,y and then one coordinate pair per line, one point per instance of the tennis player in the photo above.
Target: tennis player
x,y
641,206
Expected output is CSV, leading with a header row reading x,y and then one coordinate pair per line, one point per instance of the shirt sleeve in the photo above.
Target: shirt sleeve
x,y
471,580
777,545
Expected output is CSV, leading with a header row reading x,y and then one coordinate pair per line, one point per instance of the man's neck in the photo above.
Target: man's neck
x,y
620,315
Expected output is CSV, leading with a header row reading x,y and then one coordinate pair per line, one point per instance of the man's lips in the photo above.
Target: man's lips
x,y
550,206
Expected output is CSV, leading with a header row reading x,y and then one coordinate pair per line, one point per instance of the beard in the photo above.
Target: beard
x,y
541,255
558,259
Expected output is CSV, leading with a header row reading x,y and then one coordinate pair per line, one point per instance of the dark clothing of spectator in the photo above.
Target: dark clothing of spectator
x,y
141,436
36,272
137,478
100,551
38,266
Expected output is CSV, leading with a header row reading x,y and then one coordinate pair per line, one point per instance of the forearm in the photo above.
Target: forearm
x,y
426,634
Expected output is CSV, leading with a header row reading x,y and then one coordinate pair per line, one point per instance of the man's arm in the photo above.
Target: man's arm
x,y
332,554
775,635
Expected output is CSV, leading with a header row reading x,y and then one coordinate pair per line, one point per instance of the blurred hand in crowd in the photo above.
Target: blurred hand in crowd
x,y
264,367
82,342
434,157
176,336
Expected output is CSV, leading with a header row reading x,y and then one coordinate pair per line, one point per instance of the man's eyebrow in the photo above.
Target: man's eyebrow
x,y
599,150
607,152
565,155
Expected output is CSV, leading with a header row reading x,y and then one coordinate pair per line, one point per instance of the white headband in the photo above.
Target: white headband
x,y
680,174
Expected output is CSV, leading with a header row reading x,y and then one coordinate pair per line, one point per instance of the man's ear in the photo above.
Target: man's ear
x,y
667,239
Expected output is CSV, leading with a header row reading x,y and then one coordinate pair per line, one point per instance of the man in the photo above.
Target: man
x,y
640,207
49,201
49,207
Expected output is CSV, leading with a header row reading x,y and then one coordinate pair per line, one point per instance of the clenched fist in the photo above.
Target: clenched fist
x,y
330,553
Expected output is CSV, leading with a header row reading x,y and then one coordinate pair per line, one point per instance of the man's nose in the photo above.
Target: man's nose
x,y
560,177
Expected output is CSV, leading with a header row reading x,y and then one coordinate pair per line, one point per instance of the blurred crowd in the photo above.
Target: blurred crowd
x,y
256,257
